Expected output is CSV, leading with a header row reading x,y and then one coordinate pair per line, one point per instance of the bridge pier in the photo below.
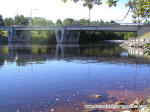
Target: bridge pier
x,y
10,34
14,36
63,36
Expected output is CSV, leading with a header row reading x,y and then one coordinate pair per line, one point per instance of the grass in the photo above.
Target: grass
x,y
146,35
148,44
3,33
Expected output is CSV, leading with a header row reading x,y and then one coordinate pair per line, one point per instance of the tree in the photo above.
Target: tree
x,y
91,3
49,23
39,21
21,20
8,21
68,21
139,8
88,3
58,22
112,2
1,20
83,21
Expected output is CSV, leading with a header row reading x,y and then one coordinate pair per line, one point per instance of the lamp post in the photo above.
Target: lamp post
x,y
31,13
16,14
89,16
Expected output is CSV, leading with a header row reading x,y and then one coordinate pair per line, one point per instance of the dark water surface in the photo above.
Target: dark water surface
x,y
63,78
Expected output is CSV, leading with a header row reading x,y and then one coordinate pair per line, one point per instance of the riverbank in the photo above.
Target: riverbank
x,y
142,42
139,45
137,48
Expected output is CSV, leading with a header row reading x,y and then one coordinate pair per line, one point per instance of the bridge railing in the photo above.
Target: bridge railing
x,y
77,24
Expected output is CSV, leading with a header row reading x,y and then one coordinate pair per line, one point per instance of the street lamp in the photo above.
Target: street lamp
x,y
16,14
31,13
89,15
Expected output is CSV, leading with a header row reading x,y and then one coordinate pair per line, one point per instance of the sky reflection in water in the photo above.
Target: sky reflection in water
x,y
56,75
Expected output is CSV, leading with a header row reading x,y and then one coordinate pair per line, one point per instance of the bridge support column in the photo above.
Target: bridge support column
x,y
63,36
14,36
10,34
17,36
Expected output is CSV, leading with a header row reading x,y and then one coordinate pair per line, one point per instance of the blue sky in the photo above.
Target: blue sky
x,y
56,9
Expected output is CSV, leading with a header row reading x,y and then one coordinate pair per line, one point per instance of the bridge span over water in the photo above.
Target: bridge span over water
x,y
71,33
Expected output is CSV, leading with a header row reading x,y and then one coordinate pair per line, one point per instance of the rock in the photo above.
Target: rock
x,y
138,102
57,99
52,110
97,96
96,110
119,103
145,109
126,111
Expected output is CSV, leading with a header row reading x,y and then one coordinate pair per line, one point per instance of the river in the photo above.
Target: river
x,y
64,78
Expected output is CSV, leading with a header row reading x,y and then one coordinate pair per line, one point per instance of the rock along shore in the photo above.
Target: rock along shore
x,y
142,45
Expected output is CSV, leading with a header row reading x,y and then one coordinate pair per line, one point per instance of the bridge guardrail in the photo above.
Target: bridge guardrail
x,y
63,25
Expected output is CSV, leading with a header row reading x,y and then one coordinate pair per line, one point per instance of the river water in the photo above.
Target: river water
x,y
64,78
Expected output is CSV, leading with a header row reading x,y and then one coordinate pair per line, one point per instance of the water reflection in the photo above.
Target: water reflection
x,y
24,53
64,77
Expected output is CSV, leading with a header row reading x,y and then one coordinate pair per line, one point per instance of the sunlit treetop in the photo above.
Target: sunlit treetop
x,y
91,3
140,9
112,2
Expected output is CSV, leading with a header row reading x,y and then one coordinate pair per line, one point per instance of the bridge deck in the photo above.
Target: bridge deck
x,y
126,28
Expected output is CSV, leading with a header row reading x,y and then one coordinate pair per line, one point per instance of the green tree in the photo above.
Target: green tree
x,y
59,22
39,21
2,33
68,21
89,4
8,21
1,20
139,8
49,23
112,2
83,21
21,20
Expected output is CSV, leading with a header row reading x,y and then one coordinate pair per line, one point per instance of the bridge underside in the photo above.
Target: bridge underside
x,y
63,36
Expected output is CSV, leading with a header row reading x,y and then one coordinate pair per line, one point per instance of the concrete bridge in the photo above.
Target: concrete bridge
x,y
71,33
